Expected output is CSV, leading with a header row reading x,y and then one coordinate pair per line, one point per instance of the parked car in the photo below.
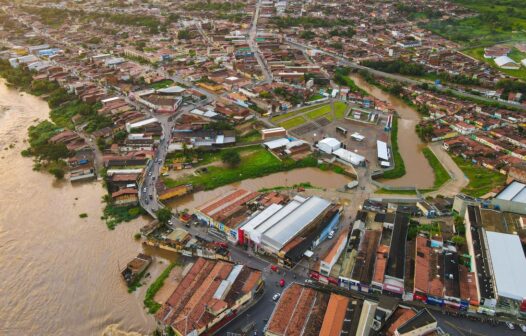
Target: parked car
x,y
510,325
274,268
276,297
282,282
331,234
308,281
523,327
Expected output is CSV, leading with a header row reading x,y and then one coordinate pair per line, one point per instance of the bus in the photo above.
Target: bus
x,y
341,130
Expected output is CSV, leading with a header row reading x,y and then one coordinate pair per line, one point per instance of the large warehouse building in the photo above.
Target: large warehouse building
x,y
509,271
287,231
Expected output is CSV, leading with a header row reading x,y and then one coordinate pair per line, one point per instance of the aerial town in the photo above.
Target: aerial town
x,y
263,167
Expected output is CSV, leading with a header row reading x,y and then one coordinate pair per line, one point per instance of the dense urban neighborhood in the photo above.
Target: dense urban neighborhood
x,y
266,167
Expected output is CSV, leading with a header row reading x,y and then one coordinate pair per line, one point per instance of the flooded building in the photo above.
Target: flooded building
x,y
209,295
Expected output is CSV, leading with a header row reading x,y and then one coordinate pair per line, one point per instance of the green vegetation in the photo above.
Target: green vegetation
x,y
149,301
164,215
315,114
308,22
481,180
399,168
56,17
397,66
496,21
162,84
441,174
114,215
341,77
339,109
258,163
292,123
396,191
231,158
83,215
517,56
214,6
281,117
251,136
137,236
304,185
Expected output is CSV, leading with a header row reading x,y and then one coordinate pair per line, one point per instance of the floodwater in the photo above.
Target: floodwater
x,y
59,273
316,177
418,171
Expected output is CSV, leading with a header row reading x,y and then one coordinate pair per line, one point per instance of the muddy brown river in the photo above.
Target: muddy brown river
x,y
59,273
418,171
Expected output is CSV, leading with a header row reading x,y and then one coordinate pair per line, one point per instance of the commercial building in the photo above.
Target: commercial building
x,y
225,213
287,231
347,157
306,311
209,295
512,198
508,271
384,156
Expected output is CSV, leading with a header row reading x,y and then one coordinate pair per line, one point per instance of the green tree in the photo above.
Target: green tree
x,y
231,158
57,172
164,215
458,240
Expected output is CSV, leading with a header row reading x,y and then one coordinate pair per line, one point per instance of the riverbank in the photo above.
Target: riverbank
x,y
418,172
54,263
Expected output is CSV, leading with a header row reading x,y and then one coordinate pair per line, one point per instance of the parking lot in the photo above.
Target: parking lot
x,y
315,131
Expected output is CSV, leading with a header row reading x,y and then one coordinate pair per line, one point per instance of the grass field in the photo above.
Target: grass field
x,y
339,109
294,122
281,117
162,84
311,112
481,180
399,169
515,54
315,114
492,22
258,163
441,174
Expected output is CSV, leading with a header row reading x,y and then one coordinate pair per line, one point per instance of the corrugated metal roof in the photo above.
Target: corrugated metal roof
x,y
382,150
520,197
276,143
511,191
284,231
509,264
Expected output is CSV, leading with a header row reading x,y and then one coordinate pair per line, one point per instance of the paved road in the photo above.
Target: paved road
x,y
458,179
346,62
253,45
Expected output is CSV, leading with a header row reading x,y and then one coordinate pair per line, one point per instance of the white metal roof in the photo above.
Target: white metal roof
x,y
284,231
331,142
509,264
349,156
261,217
172,89
357,136
503,60
511,192
273,144
383,153
143,123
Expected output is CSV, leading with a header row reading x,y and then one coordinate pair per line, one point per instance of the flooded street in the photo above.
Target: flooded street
x,y
60,273
316,177
418,171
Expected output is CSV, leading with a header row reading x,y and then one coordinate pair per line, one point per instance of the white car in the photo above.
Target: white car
x,y
308,281
331,234
276,297
510,325
523,327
